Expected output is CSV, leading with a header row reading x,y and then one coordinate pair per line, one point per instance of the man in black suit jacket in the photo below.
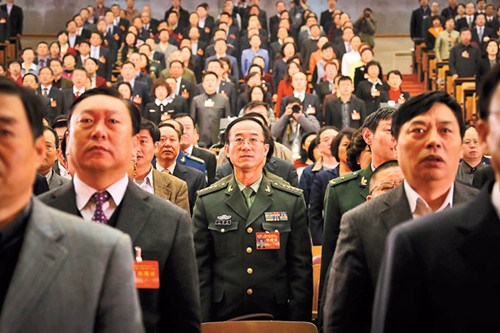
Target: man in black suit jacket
x,y
71,94
166,154
443,269
326,18
140,92
160,231
183,14
55,105
429,162
468,21
417,19
274,20
15,17
310,102
481,33
342,46
346,110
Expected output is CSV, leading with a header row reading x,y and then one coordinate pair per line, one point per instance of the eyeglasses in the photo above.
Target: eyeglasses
x,y
386,186
252,141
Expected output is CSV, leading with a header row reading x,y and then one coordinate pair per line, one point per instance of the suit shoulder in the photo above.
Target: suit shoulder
x,y
215,187
285,187
344,179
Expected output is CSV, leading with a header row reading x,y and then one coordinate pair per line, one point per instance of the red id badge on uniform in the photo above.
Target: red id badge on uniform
x,y
268,240
147,274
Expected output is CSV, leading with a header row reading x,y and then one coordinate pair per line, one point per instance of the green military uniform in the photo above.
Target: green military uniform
x,y
342,194
239,277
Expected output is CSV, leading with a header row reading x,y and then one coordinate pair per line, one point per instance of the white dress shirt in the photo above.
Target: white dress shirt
x,y
84,193
412,196
171,168
147,183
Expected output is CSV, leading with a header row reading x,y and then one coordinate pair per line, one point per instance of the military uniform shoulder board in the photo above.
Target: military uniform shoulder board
x,y
287,188
214,187
344,178
197,159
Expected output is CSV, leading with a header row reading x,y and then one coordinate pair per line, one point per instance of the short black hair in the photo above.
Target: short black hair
x,y
395,72
371,122
293,100
487,89
254,104
50,129
179,134
135,116
421,104
33,106
152,128
265,130
183,115
334,147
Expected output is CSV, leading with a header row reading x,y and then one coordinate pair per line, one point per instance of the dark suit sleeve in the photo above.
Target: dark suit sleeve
x,y
398,304
348,292
204,249
316,211
453,60
211,166
182,308
299,265
362,108
119,309
331,228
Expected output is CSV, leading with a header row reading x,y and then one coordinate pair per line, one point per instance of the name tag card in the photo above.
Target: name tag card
x,y
268,240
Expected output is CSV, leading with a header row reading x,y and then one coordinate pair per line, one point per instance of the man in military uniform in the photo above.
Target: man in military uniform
x,y
351,190
253,247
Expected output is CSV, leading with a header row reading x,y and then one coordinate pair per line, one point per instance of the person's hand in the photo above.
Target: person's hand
x,y
288,110
401,99
454,77
296,115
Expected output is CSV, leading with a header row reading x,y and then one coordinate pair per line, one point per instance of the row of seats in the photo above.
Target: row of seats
x,y
437,77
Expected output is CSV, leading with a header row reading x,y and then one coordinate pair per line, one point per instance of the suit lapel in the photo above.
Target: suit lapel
x,y
134,211
396,209
39,261
235,199
161,185
64,198
262,201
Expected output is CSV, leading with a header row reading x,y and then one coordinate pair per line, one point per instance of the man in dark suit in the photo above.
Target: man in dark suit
x,y
101,192
141,93
188,145
42,248
55,106
346,110
310,102
461,295
274,20
326,18
183,14
343,45
481,33
253,247
428,129
491,18
417,19
15,17
102,54
71,94
46,167
468,21
166,161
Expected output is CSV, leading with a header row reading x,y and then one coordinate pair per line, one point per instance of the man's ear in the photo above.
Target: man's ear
x,y
40,150
367,136
483,129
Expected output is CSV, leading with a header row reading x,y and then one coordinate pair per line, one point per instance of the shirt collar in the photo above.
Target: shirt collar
x,y
413,196
189,150
84,192
171,168
255,186
81,91
47,87
149,177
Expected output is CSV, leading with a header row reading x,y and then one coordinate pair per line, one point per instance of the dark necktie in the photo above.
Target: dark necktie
x,y
45,92
76,95
100,198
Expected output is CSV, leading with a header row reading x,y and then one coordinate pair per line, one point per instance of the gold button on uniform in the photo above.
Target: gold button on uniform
x,y
249,230
249,291
249,250
249,271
